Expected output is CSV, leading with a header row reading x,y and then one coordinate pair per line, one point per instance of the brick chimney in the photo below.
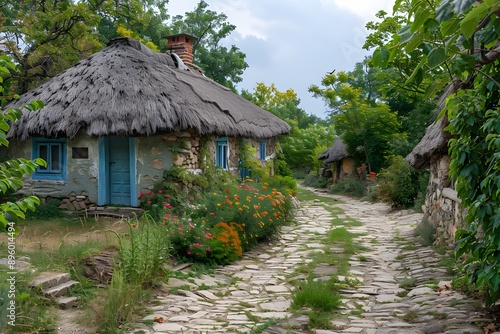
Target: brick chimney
x,y
182,45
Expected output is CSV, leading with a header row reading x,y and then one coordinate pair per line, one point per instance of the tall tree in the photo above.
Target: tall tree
x,y
284,104
47,36
459,46
367,127
308,132
222,64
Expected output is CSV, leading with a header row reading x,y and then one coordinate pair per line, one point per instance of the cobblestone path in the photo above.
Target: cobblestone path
x,y
244,296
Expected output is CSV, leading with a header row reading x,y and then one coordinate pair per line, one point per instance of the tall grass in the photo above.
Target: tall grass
x,y
120,304
144,252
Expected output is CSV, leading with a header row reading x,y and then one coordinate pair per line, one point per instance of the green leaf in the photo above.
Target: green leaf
x,y
431,25
420,18
450,27
417,68
381,57
461,6
477,13
468,27
445,11
414,43
436,57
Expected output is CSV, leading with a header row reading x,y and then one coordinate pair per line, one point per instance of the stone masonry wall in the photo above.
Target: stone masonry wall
x,y
442,206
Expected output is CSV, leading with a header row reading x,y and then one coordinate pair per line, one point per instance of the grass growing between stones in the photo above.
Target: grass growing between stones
x,y
317,299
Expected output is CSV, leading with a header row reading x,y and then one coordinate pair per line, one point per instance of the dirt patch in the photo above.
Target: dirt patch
x,y
68,322
50,235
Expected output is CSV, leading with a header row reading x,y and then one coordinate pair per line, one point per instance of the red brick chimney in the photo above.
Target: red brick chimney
x,y
182,45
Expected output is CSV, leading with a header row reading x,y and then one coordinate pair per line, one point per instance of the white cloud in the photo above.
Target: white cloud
x,y
365,9
293,43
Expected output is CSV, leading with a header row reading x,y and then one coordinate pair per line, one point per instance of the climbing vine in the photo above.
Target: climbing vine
x,y
458,44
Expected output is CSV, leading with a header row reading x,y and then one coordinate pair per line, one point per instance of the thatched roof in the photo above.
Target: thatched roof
x,y
435,139
434,142
336,152
127,89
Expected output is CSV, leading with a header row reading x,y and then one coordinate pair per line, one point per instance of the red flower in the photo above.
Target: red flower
x,y
160,191
228,191
149,202
212,214
191,199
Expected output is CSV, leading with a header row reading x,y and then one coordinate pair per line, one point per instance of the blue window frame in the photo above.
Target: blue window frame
x,y
262,150
53,151
222,153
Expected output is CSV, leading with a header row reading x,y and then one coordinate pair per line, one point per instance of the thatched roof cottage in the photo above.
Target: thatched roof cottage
x,y
336,161
442,207
115,121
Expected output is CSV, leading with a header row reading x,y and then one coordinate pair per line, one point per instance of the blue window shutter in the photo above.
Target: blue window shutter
x,y
221,153
53,151
262,150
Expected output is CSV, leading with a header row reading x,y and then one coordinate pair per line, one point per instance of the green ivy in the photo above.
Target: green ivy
x,y
457,45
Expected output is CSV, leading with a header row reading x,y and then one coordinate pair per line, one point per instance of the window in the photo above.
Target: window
x,y
221,153
53,151
262,150
80,153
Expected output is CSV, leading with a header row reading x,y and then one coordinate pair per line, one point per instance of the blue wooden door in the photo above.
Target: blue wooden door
x,y
119,170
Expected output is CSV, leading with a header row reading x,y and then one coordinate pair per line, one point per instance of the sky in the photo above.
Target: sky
x,y
294,43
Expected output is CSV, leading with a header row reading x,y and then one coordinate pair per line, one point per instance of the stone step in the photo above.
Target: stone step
x,y
66,302
49,279
61,289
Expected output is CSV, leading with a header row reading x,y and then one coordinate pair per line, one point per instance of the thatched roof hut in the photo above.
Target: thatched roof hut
x,y
128,90
336,152
435,139
434,142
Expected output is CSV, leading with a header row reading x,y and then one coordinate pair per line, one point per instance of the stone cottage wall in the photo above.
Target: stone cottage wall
x,y
81,177
234,143
186,148
442,206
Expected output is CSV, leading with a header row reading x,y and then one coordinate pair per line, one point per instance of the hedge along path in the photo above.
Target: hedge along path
x,y
255,292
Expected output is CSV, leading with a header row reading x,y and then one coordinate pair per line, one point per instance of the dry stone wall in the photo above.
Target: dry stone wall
x,y
442,206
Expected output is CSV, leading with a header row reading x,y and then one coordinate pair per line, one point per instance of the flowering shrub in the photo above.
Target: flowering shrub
x,y
218,225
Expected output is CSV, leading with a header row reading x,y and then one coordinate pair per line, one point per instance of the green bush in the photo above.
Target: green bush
x,y
49,210
398,185
350,186
315,181
281,168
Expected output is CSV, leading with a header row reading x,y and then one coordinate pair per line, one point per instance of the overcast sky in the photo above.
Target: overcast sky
x,y
294,43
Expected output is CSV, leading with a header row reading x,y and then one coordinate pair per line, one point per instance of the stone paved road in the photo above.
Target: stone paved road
x,y
243,296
